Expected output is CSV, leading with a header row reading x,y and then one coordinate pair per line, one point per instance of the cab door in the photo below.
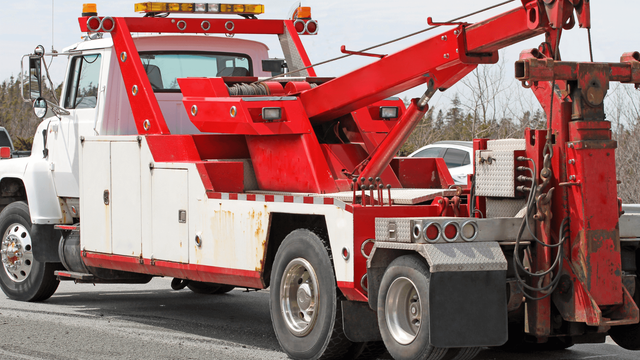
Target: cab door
x,y
82,98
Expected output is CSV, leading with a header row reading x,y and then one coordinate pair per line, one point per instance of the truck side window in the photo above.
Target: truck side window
x,y
84,75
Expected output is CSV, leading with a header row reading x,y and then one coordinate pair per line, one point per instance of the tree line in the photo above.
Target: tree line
x,y
16,115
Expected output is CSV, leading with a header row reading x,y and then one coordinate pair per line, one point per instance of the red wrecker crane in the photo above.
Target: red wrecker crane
x,y
291,182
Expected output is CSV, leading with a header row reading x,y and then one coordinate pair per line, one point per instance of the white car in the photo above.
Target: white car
x,y
456,154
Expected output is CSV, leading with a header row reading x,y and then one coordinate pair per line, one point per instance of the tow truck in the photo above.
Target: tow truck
x,y
175,153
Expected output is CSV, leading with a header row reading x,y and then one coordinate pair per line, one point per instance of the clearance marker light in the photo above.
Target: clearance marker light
x,y
242,9
89,10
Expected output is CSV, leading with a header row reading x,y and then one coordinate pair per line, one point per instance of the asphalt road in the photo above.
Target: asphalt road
x,y
154,322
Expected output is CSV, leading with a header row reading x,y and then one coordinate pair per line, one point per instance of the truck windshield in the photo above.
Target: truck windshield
x,y
163,69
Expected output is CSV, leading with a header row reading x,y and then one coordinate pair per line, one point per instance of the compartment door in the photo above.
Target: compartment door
x,y
126,228
95,196
169,213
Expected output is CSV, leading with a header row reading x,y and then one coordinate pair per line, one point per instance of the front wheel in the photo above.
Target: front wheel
x,y
22,277
403,312
306,316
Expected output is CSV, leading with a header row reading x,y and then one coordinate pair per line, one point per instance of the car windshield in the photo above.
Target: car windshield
x,y
454,158
164,69
4,139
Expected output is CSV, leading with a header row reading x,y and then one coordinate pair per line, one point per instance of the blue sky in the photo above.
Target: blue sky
x,y
355,23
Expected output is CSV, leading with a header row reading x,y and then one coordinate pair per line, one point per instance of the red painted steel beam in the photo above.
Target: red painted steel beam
x,y
547,70
506,29
383,154
408,68
583,140
144,105
237,277
196,25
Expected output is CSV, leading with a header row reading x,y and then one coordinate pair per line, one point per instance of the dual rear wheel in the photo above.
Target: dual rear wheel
x,y
307,316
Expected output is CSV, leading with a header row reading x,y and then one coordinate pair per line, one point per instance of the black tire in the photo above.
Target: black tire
x,y
209,288
179,284
370,350
304,259
406,283
462,353
39,282
628,336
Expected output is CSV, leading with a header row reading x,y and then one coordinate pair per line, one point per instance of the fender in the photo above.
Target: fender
x,y
44,205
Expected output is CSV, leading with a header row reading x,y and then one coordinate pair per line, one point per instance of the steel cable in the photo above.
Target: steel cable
x,y
387,42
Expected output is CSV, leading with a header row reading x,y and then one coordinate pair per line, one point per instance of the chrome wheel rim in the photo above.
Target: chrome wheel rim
x,y
403,311
16,252
299,297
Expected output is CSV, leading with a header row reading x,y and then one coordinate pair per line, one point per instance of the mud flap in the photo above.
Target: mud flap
x,y
45,243
360,323
468,308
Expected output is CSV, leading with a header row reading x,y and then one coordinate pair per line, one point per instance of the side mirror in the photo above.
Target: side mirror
x,y
35,87
40,107
274,66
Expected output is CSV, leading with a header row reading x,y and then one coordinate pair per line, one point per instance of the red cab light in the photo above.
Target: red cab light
x,y
5,152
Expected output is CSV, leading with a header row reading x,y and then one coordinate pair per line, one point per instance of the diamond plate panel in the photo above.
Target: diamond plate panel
x,y
402,227
291,54
482,256
500,207
498,177
506,144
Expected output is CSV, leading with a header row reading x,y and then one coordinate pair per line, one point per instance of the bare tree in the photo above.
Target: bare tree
x,y
623,110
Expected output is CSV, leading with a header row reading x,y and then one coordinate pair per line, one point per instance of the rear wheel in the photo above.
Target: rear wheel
x,y
209,288
303,299
628,336
23,277
403,310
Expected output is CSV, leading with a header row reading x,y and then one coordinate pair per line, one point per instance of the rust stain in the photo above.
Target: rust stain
x,y
107,226
222,225
264,250
198,251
